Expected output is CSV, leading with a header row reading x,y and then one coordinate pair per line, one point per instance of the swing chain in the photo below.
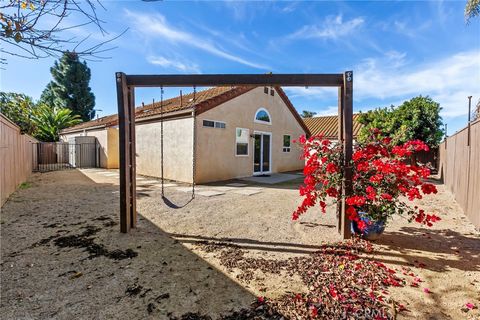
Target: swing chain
x,y
194,141
161,136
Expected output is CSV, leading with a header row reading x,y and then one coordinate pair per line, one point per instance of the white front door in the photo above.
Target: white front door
x,y
262,153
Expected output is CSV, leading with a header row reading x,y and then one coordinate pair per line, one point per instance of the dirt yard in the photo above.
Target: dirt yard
x,y
62,256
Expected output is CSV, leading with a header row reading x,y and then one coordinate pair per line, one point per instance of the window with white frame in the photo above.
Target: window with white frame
x,y
262,116
214,124
241,142
286,142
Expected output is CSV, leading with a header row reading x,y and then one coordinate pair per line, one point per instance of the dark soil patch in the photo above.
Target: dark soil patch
x,y
257,311
133,290
85,241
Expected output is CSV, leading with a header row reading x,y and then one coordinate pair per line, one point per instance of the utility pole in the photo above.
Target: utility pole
x,y
469,115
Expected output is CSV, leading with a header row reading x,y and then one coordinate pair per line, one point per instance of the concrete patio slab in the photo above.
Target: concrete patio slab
x,y
185,189
254,188
149,182
210,193
222,189
246,192
168,185
271,179
236,184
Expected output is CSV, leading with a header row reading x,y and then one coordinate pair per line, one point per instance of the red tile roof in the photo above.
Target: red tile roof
x,y
204,100
328,126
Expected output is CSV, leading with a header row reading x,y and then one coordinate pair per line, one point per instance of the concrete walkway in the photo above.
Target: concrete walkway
x,y
272,178
145,183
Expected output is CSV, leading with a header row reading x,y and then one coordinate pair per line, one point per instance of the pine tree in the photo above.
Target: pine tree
x,y
70,87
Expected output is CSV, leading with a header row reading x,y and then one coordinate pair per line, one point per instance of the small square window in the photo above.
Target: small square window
x,y
272,92
241,142
286,143
220,125
265,90
242,149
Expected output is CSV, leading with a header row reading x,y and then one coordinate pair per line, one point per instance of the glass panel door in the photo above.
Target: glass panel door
x,y
261,153
257,153
266,153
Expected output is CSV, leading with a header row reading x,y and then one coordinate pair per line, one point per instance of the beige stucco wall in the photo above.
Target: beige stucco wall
x,y
112,151
178,149
216,158
108,141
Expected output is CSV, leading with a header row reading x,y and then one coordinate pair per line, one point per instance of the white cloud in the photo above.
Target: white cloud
x,y
156,26
327,111
315,92
173,64
391,79
449,80
332,27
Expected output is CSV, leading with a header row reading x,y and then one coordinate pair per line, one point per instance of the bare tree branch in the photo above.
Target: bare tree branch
x,y
33,29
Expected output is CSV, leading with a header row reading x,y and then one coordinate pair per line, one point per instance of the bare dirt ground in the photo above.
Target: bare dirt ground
x,y
62,256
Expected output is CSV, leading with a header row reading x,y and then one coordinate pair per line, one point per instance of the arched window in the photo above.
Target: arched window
x,y
262,116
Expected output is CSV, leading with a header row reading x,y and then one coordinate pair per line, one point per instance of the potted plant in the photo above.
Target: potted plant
x,y
383,181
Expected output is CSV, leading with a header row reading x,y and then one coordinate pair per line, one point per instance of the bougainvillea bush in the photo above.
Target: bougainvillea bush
x,y
383,179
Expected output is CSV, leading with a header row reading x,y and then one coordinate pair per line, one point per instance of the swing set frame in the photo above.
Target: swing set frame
x,y
126,85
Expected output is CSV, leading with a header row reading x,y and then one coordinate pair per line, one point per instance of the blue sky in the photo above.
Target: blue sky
x,y
397,50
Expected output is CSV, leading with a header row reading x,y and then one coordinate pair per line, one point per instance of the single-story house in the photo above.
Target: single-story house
x,y
327,126
236,132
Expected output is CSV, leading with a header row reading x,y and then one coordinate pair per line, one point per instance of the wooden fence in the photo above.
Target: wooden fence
x,y
459,167
16,160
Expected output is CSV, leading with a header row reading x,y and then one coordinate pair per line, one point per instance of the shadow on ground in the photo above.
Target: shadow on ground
x,y
62,258
443,242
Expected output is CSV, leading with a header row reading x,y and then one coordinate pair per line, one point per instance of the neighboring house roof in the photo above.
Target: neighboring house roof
x,y
328,126
204,100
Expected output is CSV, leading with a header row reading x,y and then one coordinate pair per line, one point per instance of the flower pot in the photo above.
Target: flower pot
x,y
372,231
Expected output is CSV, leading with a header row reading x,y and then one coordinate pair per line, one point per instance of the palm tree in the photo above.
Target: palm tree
x,y
308,114
472,9
49,121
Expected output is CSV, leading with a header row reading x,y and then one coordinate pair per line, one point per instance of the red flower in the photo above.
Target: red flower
x,y
357,155
428,188
332,291
413,193
309,180
331,168
371,193
351,213
380,174
313,311
332,192
376,178
323,205
356,201
386,196
361,225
